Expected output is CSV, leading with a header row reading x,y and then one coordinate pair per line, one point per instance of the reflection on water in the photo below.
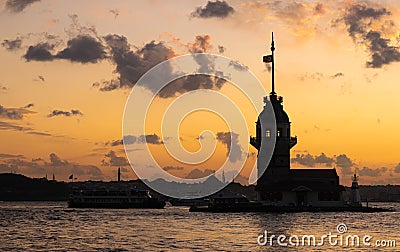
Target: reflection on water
x,y
44,226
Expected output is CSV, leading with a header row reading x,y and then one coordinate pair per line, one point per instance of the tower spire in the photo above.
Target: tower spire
x,y
270,59
273,77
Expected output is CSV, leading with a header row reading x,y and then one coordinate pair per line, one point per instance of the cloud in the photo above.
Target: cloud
x,y
231,141
314,76
217,9
16,6
202,44
11,126
221,49
111,159
83,49
130,139
151,139
172,168
345,163
337,75
39,52
13,113
365,171
115,12
12,45
365,24
131,65
341,161
4,155
39,133
56,160
304,159
397,168
30,105
319,8
61,168
196,173
323,159
73,112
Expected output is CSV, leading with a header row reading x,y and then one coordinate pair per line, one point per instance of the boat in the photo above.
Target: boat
x,y
225,203
189,202
228,203
102,198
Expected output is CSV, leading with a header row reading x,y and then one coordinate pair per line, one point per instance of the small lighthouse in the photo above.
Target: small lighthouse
x,y
355,193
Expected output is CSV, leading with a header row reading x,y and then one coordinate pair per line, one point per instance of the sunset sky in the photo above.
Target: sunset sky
x,y
67,68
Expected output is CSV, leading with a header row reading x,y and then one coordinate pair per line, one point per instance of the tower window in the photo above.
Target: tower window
x,y
278,133
268,133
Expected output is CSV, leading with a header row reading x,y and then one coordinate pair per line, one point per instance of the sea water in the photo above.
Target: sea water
x,y
51,226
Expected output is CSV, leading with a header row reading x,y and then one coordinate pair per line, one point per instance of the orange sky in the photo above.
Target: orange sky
x,y
336,66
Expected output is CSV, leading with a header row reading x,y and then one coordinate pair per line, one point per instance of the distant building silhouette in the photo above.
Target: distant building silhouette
x,y
279,184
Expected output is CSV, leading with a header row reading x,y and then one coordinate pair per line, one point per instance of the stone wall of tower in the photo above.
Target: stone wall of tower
x,y
279,166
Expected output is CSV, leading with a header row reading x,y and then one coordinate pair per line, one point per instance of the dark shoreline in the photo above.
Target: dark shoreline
x,y
17,187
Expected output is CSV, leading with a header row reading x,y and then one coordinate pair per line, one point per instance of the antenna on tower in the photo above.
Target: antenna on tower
x,y
273,77
270,59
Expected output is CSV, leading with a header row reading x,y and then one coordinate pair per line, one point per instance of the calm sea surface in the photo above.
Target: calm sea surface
x,y
51,226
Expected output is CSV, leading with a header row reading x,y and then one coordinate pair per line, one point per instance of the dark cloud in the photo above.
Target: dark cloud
x,y
323,159
18,5
130,139
172,168
365,171
131,65
382,52
73,112
231,141
41,78
202,44
196,173
304,159
397,168
319,8
337,75
344,163
360,18
218,9
6,168
4,155
12,45
39,133
3,88
237,65
341,161
30,105
13,113
111,159
11,126
221,49
61,168
83,49
56,160
151,139
39,52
